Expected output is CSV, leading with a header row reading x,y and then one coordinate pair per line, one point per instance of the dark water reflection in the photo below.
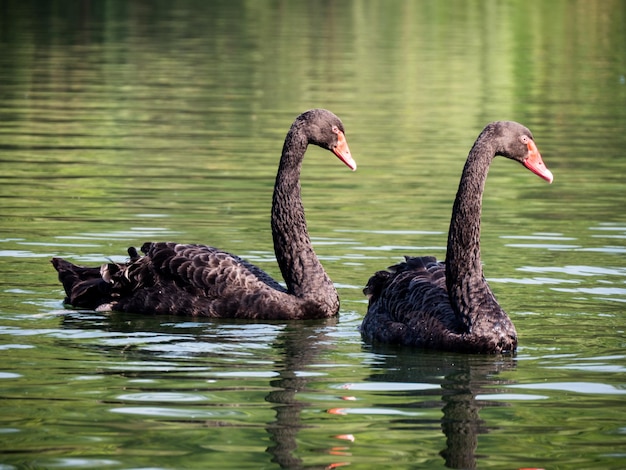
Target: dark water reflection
x,y
450,385
461,379
122,122
299,349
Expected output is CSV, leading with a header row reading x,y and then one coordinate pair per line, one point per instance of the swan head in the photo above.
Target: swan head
x,y
517,143
534,162
326,130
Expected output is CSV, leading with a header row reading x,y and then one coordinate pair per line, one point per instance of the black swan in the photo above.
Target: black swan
x,y
449,306
198,280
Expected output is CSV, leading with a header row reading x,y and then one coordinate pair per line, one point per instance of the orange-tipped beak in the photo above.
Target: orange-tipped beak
x,y
534,163
343,151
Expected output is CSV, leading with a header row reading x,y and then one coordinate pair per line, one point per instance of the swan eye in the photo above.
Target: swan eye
x,y
524,139
335,130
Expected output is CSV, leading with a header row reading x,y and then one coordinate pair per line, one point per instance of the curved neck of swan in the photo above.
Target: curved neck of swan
x,y
464,273
301,269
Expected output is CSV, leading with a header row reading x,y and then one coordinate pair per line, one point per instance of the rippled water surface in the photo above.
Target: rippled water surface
x,y
122,122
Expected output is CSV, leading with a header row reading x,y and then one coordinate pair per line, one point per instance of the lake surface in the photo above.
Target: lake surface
x,y
122,122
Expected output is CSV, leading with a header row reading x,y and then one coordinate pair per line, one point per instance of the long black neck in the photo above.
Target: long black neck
x,y
467,288
303,273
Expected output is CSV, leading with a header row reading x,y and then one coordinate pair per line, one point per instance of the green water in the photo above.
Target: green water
x,y
122,122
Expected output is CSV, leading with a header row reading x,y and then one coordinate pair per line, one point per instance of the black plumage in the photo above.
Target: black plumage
x,y
197,280
449,306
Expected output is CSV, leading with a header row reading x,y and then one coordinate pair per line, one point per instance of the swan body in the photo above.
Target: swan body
x,y
197,280
449,305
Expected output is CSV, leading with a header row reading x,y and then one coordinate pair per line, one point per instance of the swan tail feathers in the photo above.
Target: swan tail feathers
x,y
418,266
96,288
414,263
376,284
132,253
84,287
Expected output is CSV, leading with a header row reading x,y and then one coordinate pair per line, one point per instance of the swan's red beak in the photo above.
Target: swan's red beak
x,y
534,163
343,151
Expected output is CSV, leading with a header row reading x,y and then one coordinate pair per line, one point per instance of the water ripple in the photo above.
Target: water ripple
x,y
162,397
179,413
387,386
576,270
576,387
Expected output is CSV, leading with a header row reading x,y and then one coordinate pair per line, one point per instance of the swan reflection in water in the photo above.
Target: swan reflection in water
x,y
291,347
294,350
461,378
